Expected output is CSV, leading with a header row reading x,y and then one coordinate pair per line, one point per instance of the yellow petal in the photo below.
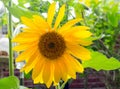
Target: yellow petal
x,y
51,12
74,63
24,46
31,63
85,42
38,68
78,51
21,47
28,29
78,34
28,22
47,72
68,25
57,73
25,55
60,16
26,40
40,23
26,37
73,39
39,77
51,76
71,71
82,34
63,69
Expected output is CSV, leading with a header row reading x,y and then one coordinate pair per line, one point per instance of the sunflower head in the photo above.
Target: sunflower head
x,y
50,51
52,45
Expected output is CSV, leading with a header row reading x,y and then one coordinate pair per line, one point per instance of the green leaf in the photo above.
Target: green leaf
x,y
101,62
28,75
78,8
19,11
10,82
113,19
22,2
5,1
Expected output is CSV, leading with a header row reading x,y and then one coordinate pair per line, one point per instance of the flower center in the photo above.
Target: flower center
x,y
52,45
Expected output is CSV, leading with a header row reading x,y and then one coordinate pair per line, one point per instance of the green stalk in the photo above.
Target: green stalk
x,y
63,85
57,87
11,62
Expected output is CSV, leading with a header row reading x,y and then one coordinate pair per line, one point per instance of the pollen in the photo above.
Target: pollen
x,y
52,45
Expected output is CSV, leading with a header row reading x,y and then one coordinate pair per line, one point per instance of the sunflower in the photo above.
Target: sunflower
x,y
50,51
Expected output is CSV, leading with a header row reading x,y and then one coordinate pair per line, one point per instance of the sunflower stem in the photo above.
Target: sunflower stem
x,y
57,87
63,85
11,62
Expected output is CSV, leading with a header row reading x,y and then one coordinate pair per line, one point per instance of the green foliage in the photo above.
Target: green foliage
x,y
10,82
101,62
28,75
22,2
78,9
112,14
39,6
103,19
5,1
113,19
19,11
